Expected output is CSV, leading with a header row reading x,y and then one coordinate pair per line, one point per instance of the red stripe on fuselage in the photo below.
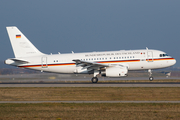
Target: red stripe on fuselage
x,y
27,66
160,59
103,62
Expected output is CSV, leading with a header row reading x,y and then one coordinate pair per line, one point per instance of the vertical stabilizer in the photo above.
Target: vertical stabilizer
x,y
22,47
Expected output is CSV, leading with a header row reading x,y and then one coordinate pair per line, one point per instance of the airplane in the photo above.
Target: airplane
x,y
107,64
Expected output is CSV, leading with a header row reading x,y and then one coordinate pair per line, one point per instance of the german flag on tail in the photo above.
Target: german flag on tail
x,y
18,36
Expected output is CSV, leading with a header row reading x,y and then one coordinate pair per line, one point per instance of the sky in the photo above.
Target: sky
x,y
93,25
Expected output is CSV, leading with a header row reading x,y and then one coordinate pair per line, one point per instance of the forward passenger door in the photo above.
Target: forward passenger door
x,y
149,56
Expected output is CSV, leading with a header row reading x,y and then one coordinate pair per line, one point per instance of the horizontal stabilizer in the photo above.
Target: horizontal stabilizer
x,y
19,60
15,61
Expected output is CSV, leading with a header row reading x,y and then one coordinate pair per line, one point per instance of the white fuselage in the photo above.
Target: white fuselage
x,y
133,59
108,64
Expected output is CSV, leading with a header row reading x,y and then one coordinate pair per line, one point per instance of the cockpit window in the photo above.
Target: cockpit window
x,y
163,55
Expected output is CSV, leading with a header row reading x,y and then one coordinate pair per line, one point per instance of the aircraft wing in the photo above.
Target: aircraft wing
x,y
94,65
90,65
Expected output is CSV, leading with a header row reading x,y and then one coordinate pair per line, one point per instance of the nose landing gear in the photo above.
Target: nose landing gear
x,y
151,78
150,75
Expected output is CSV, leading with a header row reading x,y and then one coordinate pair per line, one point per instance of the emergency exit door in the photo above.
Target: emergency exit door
x,y
44,62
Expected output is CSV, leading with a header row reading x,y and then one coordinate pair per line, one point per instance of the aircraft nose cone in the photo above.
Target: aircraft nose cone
x,y
174,61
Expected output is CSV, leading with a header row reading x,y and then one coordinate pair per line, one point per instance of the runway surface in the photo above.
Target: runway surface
x,y
88,84
89,101
56,80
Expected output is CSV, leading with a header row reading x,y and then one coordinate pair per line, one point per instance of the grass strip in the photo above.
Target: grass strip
x,y
84,111
90,94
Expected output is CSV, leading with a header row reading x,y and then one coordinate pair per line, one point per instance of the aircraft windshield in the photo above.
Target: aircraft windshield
x,y
163,55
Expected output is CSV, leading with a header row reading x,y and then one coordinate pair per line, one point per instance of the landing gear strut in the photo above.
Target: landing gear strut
x,y
150,75
94,80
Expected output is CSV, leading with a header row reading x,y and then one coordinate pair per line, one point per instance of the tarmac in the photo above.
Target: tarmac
x,y
89,101
137,84
66,80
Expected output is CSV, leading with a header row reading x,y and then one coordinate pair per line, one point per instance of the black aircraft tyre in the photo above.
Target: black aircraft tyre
x,y
94,80
151,78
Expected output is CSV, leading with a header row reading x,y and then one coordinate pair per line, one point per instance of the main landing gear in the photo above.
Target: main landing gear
x,y
150,75
94,80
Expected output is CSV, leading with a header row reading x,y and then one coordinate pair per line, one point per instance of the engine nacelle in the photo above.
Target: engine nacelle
x,y
115,72
80,70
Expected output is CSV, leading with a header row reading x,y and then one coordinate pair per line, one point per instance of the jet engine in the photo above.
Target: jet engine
x,y
116,71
